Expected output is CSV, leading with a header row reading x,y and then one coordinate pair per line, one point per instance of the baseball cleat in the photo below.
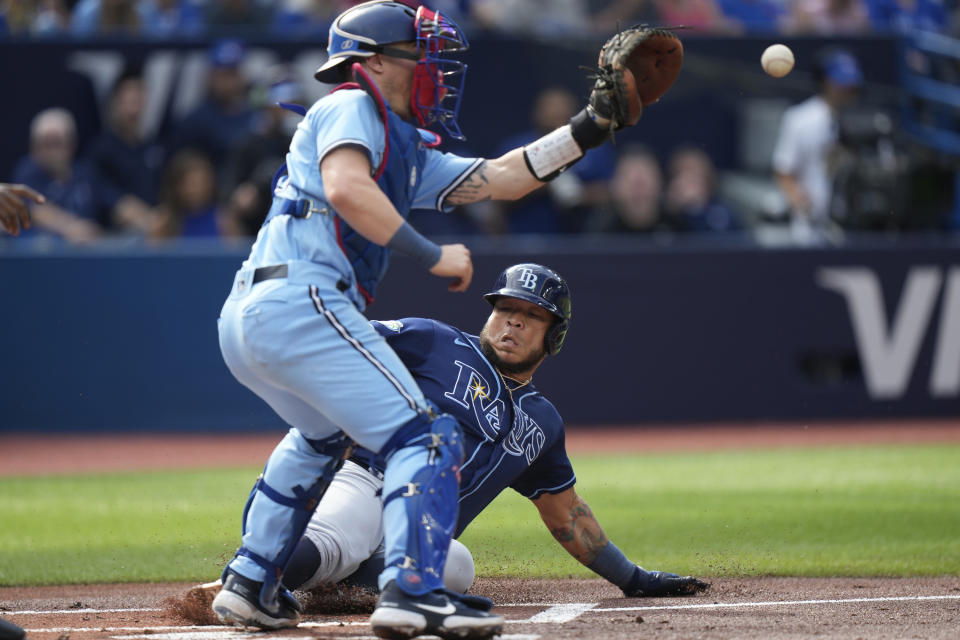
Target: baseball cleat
x,y
238,604
399,616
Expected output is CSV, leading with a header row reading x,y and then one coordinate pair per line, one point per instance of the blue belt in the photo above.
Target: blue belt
x,y
302,208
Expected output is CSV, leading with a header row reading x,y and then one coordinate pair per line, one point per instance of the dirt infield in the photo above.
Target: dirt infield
x,y
755,608
751,608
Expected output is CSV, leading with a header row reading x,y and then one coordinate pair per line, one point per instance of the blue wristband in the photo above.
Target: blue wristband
x,y
408,241
611,564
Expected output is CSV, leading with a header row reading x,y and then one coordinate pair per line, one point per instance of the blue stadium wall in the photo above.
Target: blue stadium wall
x,y
126,340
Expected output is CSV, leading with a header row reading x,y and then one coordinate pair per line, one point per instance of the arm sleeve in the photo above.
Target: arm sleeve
x,y
349,118
411,338
442,173
550,473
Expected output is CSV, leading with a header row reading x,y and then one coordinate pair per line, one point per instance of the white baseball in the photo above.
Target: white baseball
x,y
777,60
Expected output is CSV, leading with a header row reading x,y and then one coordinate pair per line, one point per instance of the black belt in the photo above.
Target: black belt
x,y
281,271
268,273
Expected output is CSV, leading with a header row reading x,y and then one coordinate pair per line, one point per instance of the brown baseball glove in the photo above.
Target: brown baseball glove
x,y
635,68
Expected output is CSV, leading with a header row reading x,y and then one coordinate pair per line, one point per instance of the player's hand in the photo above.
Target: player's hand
x,y
657,584
454,262
14,214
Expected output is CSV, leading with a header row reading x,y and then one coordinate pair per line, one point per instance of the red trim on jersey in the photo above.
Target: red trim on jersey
x,y
346,85
367,84
366,294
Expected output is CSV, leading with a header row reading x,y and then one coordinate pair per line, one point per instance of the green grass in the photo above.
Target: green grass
x,y
873,511
876,511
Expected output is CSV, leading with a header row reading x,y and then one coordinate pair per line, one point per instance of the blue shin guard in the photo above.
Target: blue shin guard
x,y
273,519
420,501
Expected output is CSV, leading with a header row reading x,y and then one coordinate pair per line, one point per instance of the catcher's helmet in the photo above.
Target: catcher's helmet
x,y
541,286
369,28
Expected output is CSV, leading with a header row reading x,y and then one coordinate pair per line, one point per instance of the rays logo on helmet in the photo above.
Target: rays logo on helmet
x,y
528,279
393,325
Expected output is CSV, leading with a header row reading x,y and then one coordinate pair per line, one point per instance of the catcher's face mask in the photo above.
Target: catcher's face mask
x,y
438,80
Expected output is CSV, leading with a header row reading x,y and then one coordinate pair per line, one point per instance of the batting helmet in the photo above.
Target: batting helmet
x,y
542,286
369,28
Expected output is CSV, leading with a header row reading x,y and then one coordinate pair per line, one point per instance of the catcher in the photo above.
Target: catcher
x,y
292,328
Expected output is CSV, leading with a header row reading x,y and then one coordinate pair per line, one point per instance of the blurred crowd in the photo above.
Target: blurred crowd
x,y
545,18
210,173
208,170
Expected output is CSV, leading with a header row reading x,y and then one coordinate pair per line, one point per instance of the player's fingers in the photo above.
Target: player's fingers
x,y
456,285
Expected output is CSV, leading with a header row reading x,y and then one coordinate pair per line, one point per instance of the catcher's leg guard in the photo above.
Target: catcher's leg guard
x,y
420,501
273,519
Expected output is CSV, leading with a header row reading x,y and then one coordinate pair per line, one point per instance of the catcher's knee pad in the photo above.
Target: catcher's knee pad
x,y
459,572
430,501
288,516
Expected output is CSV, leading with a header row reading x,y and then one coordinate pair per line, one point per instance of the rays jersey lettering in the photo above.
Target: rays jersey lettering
x,y
516,443
525,438
472,391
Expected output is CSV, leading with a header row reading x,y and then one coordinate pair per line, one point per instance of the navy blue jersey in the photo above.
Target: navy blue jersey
x,y
513,442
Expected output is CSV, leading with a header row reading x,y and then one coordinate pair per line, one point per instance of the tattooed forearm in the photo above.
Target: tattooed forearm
x,y
581,535
563,534
474,189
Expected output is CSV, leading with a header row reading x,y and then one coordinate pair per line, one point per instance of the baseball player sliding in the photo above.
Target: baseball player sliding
x,y
512,435
292,329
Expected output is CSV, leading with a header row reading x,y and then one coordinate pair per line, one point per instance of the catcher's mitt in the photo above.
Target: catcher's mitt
x,y
635,68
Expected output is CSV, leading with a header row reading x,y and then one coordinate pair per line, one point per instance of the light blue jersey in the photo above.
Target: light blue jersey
x,y
348,117
293,332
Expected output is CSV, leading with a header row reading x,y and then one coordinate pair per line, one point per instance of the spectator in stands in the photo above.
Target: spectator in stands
x,y
539,17
106,18
691,199
75,203
252,165
807,141
305,18
762,16
704,16
636,195
125,161
562,205
53,17
827,17
237,17
172,18
17,17
902,15
188,197
225,117
617,14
